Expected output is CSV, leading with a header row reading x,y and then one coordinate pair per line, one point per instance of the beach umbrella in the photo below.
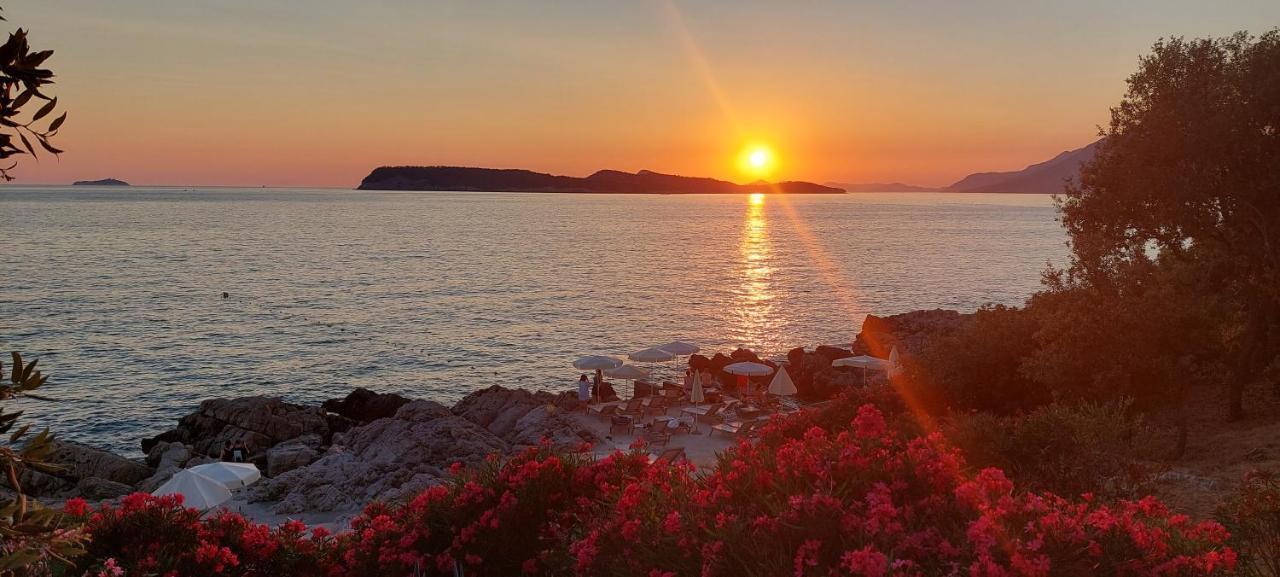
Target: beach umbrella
x,y
596,362
233,475
862,362
653,355
749,369
630,373
781,384
696,395
680,348
895,363
198,491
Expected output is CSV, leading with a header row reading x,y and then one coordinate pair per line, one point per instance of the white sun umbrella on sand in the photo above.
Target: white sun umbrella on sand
x,y
630,373
782,385
233,475
596,362
748,369
198,491
895,363
696,394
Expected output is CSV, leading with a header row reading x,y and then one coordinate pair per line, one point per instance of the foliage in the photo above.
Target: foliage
x,y
979,366
865,500
1253,516
1066,448
32,537
21,80
148,535
1185,177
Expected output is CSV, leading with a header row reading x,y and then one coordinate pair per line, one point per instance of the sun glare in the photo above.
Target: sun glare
x,y
757,161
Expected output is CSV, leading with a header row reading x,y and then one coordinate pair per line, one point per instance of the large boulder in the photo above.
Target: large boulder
x,y
910,332
521,417
293,454
95,489
261,422
76,462
363,405
388,459
81,461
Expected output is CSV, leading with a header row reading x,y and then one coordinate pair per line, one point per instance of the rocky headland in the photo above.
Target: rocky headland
x,y
103,182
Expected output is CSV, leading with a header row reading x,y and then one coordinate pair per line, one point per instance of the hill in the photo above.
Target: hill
x,y
881,187
1045,177
103,182
469,179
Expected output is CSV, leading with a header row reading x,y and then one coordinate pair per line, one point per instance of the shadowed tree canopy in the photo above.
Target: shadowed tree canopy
x,y
1188,175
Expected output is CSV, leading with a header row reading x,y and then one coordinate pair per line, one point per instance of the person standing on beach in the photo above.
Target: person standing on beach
x,y
225,455
584,388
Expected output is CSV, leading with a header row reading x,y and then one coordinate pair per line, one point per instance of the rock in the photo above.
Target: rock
x,y
910,332
290,455
385,459
261,422
82,461
165,455
96,489
521,417
363,405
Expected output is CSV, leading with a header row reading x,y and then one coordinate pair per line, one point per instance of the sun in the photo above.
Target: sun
x,y
757,160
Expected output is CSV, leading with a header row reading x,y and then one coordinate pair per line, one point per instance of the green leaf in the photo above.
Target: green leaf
x,y
17,368
21,99
45,110
57,122
19,433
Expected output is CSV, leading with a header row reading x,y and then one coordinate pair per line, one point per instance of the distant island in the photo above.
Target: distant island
x,y
1046,177
103,182
467,179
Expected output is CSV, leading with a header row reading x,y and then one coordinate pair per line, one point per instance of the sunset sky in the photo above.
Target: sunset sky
x,y
318,92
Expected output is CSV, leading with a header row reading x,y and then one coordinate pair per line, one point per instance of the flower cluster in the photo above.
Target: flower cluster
x,y
148,535
858,499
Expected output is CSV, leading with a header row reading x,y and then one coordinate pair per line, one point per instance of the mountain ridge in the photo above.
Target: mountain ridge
x,y
1045,177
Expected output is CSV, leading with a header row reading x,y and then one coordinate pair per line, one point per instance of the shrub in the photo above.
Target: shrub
x,y
1062,447
1253,516
862,499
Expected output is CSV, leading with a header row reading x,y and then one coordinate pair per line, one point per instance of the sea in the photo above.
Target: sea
x,y
141,302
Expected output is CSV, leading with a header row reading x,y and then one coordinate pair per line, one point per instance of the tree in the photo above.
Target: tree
x,y
21,78
1187,173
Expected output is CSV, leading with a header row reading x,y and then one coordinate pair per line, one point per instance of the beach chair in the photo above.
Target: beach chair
x,y
699,411
657,437
621,424
738,430
603,411
669,456
633,408
715,414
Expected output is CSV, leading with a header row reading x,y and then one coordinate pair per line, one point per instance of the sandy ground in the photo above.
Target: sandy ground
x,y
1220,453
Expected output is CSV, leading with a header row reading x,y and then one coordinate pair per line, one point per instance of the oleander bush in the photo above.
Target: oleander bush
x,y
863,499
1253,517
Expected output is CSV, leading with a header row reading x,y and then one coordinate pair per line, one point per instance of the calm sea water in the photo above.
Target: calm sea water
x,y
119,291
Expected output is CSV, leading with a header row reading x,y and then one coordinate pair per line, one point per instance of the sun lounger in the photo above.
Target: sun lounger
x,y
621,424
739,430
633,408
603,411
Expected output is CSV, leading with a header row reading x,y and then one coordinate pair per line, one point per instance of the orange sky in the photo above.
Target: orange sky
x,y
318,92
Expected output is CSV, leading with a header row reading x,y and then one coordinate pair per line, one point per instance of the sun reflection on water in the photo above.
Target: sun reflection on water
x,y
755,292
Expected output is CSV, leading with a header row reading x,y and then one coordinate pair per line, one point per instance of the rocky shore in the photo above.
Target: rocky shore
x,y
368,446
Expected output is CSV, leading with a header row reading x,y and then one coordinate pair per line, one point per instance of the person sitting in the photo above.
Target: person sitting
x,y
584,389
240,452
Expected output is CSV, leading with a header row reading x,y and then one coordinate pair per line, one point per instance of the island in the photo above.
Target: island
x,y
103,182
470,179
